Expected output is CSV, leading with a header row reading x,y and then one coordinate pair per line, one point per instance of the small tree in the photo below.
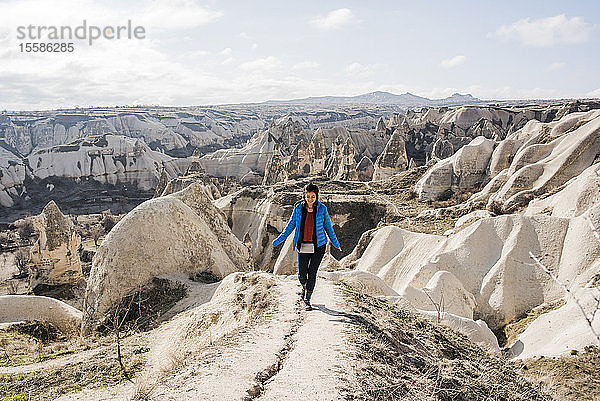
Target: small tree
x,y
4,239
96,234
108,222
26,230
22,260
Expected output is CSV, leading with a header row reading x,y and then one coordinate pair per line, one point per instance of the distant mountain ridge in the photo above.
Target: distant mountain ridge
x,y
378,97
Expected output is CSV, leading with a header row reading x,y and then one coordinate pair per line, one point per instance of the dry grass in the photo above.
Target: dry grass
x,y
398,356
49,384
33,342
574,377
36,342
509,333
398,190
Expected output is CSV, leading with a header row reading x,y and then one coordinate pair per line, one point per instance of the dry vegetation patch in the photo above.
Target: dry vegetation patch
x,y
573,377
509,333
399,356
33,342
82,363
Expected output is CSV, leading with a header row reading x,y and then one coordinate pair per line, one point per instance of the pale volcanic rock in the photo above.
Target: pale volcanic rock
x,y
365,169
442,149
463,171
579,195
106,159
17,308
196,197
490,259
393,159
558,332
347,169
12,176
487,129
55,255
368,143
466,117
161,236
300,162
570,146
253,157
443,293
287,261
380,125
470,218
318,153
363,282
275,170
475,330
335,157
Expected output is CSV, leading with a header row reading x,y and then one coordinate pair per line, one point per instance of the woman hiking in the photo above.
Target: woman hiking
x,y
310,221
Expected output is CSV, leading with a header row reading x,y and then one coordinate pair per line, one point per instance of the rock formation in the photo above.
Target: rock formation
x,y
393,159
464,171
12,177
580,194
253,157
275,171
194,174
181,232
365,169
380,125
171,131
55,255
17,308
491,273
442,149
300,163
107,159
347,164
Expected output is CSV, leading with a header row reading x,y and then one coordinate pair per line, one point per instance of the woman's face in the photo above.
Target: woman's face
x,y
310,198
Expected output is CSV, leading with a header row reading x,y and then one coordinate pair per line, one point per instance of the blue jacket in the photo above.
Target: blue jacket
x,y
322,222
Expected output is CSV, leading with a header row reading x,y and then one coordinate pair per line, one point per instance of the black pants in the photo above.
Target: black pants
x,y
308,264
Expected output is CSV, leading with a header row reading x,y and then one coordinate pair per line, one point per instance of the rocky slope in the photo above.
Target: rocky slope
x,y
103,170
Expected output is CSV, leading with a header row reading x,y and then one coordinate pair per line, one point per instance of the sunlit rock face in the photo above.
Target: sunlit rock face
x,y
55,255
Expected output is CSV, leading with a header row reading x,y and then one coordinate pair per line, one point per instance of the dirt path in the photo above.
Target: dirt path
x,y
294,354
289,354
316,366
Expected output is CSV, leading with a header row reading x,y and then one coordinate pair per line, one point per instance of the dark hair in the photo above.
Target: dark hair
x,y
312,188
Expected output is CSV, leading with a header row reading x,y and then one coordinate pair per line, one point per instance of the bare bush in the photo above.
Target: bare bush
x,y
96,233
108,222
22,260
26,230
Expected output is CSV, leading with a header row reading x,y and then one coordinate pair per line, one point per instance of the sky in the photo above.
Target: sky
x,y
218,52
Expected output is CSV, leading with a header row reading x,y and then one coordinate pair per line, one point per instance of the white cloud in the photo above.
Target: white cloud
x,y
225,52
305,65
453,61
244,35
557,65
333,20
177,14
546,32
267,63
254,46
360,70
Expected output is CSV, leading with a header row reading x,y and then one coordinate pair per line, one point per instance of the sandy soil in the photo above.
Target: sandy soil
x,y
288,354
